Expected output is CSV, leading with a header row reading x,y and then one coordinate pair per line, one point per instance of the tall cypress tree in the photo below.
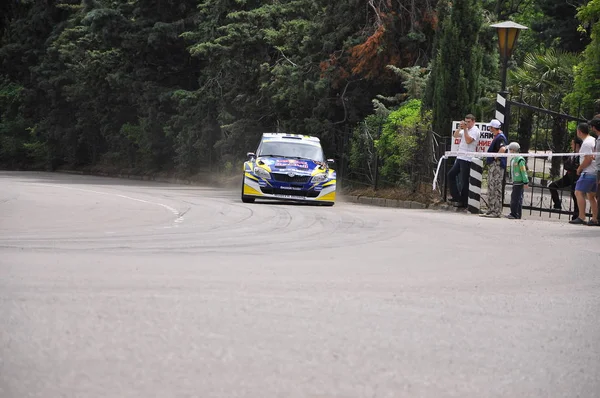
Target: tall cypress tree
x,y
584,98
454,84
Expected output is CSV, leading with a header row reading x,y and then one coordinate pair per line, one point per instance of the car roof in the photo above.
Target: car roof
x,y
290,137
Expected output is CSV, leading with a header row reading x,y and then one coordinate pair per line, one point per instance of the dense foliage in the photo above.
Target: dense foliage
x,y
187,85
455,86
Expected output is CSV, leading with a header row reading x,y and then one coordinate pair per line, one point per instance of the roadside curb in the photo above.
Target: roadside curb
x,y
400,204
383,202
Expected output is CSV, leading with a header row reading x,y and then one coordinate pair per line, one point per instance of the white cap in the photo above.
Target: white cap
x,y
514,147
495,123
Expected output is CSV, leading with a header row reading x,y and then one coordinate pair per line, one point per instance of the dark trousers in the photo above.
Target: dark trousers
x,y
458,179
568,181
516,201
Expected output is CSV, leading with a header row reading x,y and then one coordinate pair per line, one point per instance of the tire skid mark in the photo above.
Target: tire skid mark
x,y
195,249
216,222
174,211
345,230
223,225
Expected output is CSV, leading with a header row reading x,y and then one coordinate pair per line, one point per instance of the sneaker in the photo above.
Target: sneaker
x,y
511,217
490,215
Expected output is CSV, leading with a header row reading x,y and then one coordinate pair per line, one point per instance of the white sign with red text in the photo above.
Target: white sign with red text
x,y
485,139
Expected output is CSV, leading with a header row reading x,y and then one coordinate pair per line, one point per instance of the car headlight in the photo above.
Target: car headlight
x,y
262,173
319,178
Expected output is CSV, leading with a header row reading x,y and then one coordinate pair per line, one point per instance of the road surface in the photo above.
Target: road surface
x,y
117,288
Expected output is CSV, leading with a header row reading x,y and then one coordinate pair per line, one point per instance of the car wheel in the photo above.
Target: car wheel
x,y
246,199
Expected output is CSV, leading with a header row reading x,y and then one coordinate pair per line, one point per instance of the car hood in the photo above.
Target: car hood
x,y
287,165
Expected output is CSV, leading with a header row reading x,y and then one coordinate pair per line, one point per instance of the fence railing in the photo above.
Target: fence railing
x,y
538,131
363,165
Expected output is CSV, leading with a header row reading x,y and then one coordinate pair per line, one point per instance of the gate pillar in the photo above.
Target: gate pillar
x,y
475,177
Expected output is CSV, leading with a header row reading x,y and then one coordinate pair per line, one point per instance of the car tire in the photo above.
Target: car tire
x,y
246,199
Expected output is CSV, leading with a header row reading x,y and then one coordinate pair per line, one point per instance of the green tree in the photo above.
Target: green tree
x,y
399,140
454,85
585,98
557,26
544,80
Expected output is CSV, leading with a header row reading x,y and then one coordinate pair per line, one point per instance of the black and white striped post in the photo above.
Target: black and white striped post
x,y
476,172
475,177
503,115
501,107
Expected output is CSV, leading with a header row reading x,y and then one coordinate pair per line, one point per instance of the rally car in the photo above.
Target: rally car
x,y
289,167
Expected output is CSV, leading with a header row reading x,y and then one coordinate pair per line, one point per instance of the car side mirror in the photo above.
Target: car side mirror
x,y
251,155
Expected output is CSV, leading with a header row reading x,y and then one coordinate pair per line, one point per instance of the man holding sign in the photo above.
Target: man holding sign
x,y
458,176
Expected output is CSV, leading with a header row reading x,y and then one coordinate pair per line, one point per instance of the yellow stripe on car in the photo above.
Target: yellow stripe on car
x,y
330,197
248,190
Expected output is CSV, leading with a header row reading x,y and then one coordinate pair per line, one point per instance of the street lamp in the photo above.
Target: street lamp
x,y
508,33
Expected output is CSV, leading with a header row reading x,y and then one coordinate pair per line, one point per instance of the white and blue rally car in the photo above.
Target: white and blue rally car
x,y
289,167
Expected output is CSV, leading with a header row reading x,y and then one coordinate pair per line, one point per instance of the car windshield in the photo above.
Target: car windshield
x,y
291,150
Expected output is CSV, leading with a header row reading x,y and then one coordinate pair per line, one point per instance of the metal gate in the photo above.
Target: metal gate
x,y
540,131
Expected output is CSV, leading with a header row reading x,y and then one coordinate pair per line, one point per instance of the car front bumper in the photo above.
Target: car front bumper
x,y
254,187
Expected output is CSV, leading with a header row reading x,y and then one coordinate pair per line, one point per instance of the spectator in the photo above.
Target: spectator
x,y
571,163
519,178
496,171
586,185
458,175
595,124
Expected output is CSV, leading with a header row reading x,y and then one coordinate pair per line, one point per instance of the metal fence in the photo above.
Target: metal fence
x,y
541,131
362,166
538,130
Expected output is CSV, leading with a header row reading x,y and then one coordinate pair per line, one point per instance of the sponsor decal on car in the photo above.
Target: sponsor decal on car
x,y
291,163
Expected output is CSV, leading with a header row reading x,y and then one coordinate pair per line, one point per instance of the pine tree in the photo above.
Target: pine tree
x,y
454,84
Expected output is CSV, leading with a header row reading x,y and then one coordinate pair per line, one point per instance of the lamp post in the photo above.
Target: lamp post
x,y
508,33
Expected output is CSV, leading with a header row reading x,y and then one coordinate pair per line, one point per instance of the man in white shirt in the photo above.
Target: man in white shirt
x,y
458,176
595,125
586,185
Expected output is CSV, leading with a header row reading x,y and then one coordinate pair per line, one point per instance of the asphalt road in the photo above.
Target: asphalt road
x,y
116,288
